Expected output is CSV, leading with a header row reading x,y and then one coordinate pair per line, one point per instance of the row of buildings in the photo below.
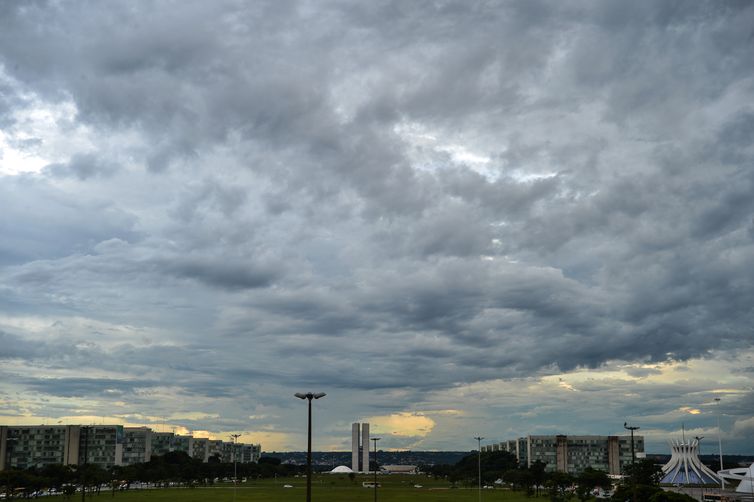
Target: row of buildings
x,y
573,454
25,446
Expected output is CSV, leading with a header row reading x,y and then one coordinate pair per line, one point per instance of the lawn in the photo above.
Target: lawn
x,y
325,488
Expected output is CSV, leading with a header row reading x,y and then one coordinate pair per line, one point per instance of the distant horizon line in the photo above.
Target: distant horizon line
x,y
473,450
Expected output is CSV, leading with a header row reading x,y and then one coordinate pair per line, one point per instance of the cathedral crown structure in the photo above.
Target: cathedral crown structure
x,y
685,467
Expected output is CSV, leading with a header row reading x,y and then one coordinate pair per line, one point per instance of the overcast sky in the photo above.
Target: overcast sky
x,y
455,218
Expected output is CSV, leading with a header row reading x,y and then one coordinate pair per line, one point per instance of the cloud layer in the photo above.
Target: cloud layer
x,y
225,203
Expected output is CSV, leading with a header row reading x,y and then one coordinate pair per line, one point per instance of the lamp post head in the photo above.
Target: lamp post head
x,y
310,395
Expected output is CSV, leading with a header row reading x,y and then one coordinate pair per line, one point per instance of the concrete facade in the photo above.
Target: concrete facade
x,y
137,445
249,453
573,454
162,442
360,447
22,447
101,445
36,446
215,449
355,437
365,447
200,449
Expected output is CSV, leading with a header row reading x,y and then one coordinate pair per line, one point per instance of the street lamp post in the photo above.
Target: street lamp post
x,y
479,464
699,444
633,456
309,396
632,429
86,461
375,467
235,437
720,443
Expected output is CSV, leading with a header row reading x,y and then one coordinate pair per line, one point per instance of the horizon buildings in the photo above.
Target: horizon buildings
x,y
24,446
573,454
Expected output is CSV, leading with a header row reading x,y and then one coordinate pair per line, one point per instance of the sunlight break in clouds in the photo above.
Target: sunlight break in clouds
x,y
402,424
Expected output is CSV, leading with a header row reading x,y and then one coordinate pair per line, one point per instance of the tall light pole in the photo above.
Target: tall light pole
x,y
633,457
309,396
632,429
479,464
375,467
234,438
699,444
86,461
720,443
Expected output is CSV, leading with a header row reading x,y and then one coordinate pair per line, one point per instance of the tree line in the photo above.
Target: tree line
x,y
173,468
178,468
641,481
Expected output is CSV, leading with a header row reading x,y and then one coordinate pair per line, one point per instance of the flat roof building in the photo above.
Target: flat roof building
x,y
101,445
200,449
28,446
137,445
25,446
573,454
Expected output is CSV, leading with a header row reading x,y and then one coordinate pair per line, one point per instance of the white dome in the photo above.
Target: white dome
x,y
341,469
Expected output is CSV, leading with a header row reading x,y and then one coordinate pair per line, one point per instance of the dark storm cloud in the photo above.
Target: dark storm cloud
x,y
388,195
221,274
85,387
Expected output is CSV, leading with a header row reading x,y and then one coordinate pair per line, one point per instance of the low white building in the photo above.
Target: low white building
x,y
399,469
341,469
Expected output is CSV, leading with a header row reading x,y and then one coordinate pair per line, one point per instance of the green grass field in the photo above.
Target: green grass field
x,y
325,488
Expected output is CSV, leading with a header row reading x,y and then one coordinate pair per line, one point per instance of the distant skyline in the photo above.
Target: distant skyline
x,y
455,218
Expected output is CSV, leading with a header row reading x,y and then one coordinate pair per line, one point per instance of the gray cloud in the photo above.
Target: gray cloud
x,y
82,166
85,387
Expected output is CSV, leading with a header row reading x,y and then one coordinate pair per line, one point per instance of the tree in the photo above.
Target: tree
x,y
558,484
438,471
493,464
91,475
539,475
588,480
638,493
641,482
58,475
521,479
269,460
663,496
644,472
